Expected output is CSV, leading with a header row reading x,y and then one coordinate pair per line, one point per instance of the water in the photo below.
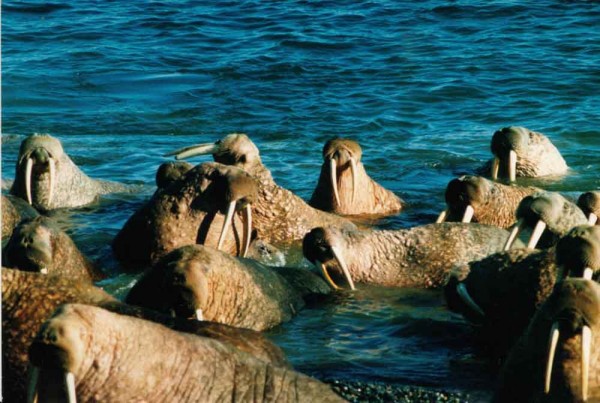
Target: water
x,y
421,85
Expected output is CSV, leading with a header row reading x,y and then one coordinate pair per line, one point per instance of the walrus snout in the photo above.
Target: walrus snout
x,y
589,203
513,138
30,247
579,251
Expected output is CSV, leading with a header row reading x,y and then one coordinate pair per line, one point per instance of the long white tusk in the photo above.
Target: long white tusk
x,y
586,342
354,178
326,275
512,165
536,234
226,224
461,289
514,233
469,212
28,169
190,151
44,270
52,170
333,169
199,315
247,229
587,273
592,219
70,383
442,217
338,256
554,333
32,384
495,168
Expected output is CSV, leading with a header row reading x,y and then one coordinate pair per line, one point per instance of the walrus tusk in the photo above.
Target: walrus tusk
x,y
333,169
514,233
536,234
190,151
44,270
247,229
442,217
587,273
554,333
338,256
70,383
495,168
469,212
199,315
326,275
354,178
512,166
32,384
461,289
52,170
226,224
592,219
586,341
28,169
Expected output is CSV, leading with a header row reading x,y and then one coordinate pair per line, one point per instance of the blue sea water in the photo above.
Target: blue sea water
x,y
421,85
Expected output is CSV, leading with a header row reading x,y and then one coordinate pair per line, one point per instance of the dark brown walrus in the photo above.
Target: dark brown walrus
x,y
589,203
345,188
14,209
558,357
99,358
280,216
28,299
200,282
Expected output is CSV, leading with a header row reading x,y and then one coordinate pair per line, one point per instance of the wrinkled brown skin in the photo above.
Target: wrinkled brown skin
x,y
371,198
493,203
573,303
29,299
72,187
14,209
235,291
188,211
162,366
38,243
417,257
589,202
536,155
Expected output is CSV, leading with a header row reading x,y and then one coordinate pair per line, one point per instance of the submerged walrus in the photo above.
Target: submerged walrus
x,y
417,257
209,204
558,357
48,179
521,152
280,216
14,209
39,245
345,188
589,203
200,282
97,355
476,199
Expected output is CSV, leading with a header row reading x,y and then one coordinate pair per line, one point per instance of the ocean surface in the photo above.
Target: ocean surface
x,y
422,86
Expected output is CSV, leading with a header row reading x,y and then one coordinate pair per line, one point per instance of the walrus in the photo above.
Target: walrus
x,y
210,204
169,172
200,282
589,203
29,299
521,152
345,188
280,216
39,245
557,359
48,179
416,257
100,357
14,209
476,199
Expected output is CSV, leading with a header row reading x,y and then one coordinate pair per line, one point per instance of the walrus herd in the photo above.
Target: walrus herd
x,y
518,262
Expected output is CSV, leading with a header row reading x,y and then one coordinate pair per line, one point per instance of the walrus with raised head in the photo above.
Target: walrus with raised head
x,y
48,179
345,188
14,209
92,351
589,203
200,282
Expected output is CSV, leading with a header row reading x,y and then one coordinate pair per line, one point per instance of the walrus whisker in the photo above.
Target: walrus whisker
x,y
495,168
354,178
326,275
70,384
190,151
333,169
468,216
461,289
514,233
52,171
554,334
247,219
339,257
586,341
226,224
592,219
32,384
28,173
512,165
442,217
536,234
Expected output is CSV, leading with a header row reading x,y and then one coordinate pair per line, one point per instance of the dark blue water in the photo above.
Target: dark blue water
x,y
421,85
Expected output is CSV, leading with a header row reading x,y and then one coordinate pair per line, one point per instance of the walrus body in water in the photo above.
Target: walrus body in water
x,y
345,188
14,209
48,179
92,351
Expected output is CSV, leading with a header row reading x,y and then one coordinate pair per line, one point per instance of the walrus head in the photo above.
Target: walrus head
x,y
578,252
340,154
171,171
39,157
321,247
463,195
30,246
589,203
507,144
